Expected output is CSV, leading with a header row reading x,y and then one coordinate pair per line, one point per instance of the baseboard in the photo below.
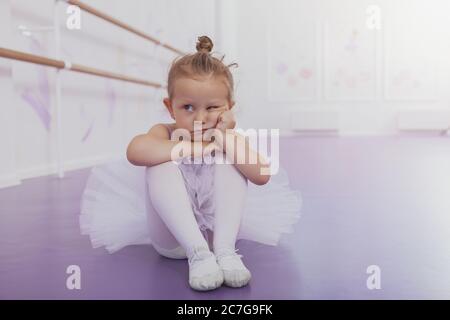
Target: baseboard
x,y
421,120
50,169
9,180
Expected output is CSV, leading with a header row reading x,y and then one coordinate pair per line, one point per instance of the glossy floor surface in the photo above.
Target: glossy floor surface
x,y
367,201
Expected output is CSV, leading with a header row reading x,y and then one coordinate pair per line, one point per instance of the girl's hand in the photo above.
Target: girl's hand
x,y
217,136
226,121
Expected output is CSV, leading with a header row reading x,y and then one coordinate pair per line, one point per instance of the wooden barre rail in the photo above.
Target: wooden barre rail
x,y
59,64
120,24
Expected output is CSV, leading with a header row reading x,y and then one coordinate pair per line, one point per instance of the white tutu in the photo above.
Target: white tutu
x,y
113,208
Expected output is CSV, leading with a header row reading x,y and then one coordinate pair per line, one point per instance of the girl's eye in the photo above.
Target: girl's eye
x,y
213,107
188,107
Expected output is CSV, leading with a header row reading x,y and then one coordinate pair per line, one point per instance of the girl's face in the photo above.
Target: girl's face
x,y
202,99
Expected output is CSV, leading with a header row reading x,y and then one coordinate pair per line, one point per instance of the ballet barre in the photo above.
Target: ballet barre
x,y
121,24
59,64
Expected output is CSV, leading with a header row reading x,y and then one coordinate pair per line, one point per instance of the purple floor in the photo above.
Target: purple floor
x,y
366,201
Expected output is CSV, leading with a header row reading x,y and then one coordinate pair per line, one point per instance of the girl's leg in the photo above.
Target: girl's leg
x,y
172,223
170,200
230,190
162,239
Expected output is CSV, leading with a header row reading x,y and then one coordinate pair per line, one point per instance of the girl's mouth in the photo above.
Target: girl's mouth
x,y
203,130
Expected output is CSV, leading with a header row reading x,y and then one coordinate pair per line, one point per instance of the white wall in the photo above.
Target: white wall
x,y
411,48
99,116
302,64
8,170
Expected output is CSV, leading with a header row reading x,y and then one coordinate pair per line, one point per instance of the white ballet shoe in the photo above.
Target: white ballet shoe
x,y
204,272
235,273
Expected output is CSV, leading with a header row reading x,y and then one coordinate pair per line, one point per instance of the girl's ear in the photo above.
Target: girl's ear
x,y
232,103
168,105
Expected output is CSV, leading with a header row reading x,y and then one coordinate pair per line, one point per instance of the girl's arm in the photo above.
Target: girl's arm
x,y
237,146
155,147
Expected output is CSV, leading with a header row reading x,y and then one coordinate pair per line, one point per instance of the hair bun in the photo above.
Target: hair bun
x,y
204,44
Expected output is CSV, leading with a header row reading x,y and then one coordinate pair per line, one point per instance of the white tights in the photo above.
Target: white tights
x,y
172,225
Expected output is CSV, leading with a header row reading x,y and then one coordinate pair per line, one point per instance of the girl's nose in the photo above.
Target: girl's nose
x,y
200,116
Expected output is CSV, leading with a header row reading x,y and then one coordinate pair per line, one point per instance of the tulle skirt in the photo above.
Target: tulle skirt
x,y
113,207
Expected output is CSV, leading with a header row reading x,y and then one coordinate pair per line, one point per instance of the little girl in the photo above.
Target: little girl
x,y
184,208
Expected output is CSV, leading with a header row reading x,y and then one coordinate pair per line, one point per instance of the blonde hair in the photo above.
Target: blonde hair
x,y
201,63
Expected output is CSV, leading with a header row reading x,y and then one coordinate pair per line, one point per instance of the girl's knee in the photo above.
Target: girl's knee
x,y
162,169
229,170
164,166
